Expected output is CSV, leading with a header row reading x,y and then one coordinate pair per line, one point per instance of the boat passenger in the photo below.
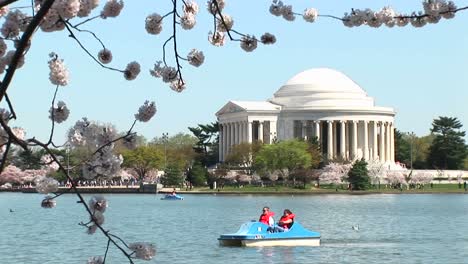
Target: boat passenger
x,y
267,217
173,192
286,221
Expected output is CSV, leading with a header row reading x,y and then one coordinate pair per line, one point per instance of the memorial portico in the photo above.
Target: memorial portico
x,y
321,103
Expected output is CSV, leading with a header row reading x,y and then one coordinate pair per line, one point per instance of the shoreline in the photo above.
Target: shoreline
x,y
152,190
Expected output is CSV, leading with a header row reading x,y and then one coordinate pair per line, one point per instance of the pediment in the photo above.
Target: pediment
x,y
230,108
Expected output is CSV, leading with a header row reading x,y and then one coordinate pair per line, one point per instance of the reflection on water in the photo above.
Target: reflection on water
x,y
392,228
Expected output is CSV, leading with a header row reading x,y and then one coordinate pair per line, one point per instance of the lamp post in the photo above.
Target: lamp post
x,y
165,137
67,150
412,136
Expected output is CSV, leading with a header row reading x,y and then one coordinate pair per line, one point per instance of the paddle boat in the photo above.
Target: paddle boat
x,y
172,197
256,234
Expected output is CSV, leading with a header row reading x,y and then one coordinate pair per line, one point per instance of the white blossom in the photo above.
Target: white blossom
x,y
86,7
421,178
334,173
387,16
188,21
130,141
102,164
268,38
95,260
395,177
46,185
143,250
67,8
49,163
196,57
105,56
51,22
153,24
276,8
13,24
132,70
3,47
58,72
97,218
19,132
402,21
217,38
105,134
48,202
418,21
310,15
4,10
98,203
190,7
211,6
112,8
227,25
146,112
60,113
248,43
167,73
450,12
178,85
6,60
287,13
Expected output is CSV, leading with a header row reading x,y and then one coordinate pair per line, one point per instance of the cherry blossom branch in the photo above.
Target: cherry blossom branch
x,y
72,35
22,45
6,2
5,155
80,197
52,113
10,106
85,21
87,31
174,34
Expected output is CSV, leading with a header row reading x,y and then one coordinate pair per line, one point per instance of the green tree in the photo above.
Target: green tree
x,y
177,149
448,150
173,175
197,175
243,155
142,160
284,157
358,176
29,159
208,142
402,148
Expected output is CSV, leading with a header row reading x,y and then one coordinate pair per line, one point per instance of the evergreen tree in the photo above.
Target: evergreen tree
x,y
197,175
402,148
448,150
358,176
173,175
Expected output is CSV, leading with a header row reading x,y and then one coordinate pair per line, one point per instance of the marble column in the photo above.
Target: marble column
x,y
249,132
273,132
366,141
387,142
374,141
221,142
304,130
355,139
343,139
317,130
382,142
392,143
330,140
225,140
231,136
260,131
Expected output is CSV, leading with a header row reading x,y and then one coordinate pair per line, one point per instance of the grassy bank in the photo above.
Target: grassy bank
x,y
325,189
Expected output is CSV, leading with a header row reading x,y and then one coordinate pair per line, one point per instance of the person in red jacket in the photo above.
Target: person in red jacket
x,y
267,216
286,221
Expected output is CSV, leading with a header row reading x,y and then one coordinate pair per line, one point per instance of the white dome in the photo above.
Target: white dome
x,y
321,87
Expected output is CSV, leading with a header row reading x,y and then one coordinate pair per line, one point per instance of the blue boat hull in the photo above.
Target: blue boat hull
x,y
257,234
172,197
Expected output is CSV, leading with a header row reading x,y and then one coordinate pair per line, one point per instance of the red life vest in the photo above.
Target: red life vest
x,y
287,217
265,218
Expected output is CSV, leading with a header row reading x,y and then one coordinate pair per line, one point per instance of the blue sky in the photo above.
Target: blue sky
x,y
422,73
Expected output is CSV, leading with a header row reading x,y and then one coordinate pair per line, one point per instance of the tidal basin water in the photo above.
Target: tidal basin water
x,y
423,228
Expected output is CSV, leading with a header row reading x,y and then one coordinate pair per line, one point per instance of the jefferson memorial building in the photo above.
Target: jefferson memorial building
x,y
322,103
